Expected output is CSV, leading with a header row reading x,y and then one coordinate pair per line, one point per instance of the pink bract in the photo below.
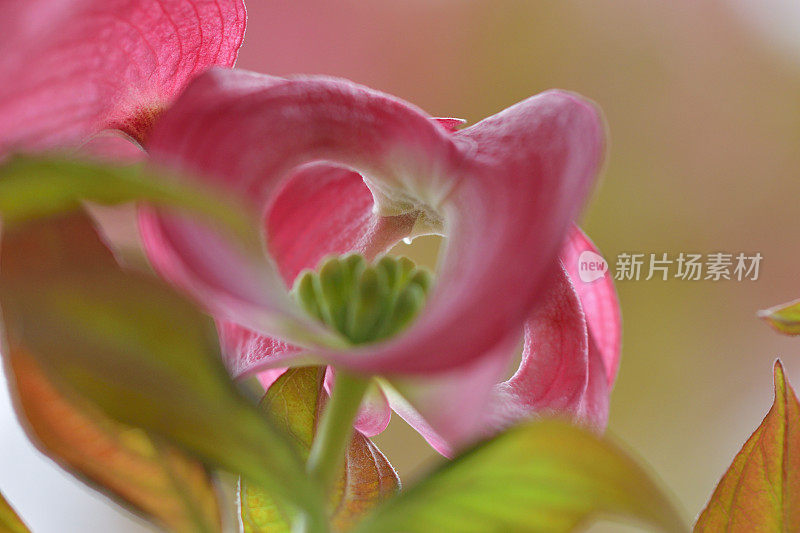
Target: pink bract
x,y
71,68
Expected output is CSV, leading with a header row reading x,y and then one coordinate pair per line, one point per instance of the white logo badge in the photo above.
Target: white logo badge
x,y
591,266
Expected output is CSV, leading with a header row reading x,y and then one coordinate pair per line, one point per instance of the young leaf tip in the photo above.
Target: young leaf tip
x,y
779,377
783,318
761,489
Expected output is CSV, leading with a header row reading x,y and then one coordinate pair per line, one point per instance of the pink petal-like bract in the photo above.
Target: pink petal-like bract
x,y
600,304
561,374
334,167
71,68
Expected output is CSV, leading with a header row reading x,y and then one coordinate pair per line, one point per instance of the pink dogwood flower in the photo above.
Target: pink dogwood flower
x,y
333,167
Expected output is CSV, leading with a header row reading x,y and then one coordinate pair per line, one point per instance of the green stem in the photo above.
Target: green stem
x,y
336,428
307,523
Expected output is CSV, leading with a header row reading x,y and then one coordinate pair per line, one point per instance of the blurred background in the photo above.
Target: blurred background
x,y
702,100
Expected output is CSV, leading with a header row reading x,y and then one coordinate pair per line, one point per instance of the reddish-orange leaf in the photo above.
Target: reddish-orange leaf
x,y
294,402
368,480
153,479
760,492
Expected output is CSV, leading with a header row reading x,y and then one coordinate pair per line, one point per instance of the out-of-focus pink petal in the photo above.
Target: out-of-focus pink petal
x,y
551,380
600,303
73,67
375,413
451,409
506,189
270,376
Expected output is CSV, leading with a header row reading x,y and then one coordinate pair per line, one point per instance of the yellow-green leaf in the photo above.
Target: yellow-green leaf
x,y
294,401
784,318
137,351
151,478
760,492
543,476
10,521
45,186
36,187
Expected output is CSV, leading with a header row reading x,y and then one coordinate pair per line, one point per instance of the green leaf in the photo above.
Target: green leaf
x,y
149,477
9,519
784,318
761,489
294,402
543,476
143,355
36,187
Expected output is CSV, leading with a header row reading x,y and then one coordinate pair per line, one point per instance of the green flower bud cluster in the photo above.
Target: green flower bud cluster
x,y
364,302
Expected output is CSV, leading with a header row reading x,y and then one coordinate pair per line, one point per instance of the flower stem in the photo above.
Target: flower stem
x,y
307,523
336,428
